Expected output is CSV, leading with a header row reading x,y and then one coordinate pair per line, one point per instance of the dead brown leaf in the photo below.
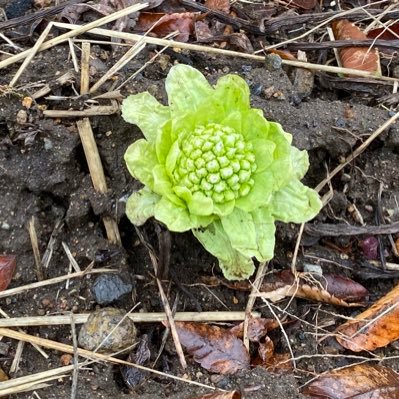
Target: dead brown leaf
x,y
216,349
8,265
257,328
375,327
162,24
328,288
361,58
362,381
303,4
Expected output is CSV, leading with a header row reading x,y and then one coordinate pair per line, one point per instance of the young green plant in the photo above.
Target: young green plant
x,y
212,164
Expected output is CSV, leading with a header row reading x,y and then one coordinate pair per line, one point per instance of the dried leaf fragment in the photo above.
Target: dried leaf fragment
x,y
363,381
162,24
8,265
361,58
328,288
220,5
375,327
216,349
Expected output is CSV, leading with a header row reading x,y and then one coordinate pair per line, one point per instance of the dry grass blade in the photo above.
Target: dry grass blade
x,y
93,111
77,30
152,317
35,248
85,68
32,53
55,280
97,174
87,354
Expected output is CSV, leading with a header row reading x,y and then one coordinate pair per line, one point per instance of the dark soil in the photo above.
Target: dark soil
x,y
47,177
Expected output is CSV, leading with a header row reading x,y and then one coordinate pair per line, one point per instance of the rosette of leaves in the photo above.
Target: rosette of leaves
x,y
212,164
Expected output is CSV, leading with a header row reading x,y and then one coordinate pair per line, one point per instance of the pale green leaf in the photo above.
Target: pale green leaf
x,y
265,231
300,162
241,230
175,217
260,194
163,185
234,265
187,88
146,112
233,92
140,160
140,206
295,203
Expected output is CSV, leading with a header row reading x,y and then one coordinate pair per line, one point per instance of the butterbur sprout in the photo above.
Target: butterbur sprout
x,y
212,164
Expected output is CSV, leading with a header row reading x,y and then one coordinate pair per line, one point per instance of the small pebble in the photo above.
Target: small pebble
x,y
22,117
5,226
105,331
109,288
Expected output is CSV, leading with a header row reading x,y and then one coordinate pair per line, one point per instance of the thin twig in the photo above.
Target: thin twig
x,y
35,248
55,280
32,53
75,373
139,317
77,30
97,174
260,274
88,354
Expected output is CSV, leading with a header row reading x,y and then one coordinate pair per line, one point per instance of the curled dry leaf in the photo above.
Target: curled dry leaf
x,y
162,24
361,58
329,288
8,265
221,395
363,381
141,355
257,328
375,327
216,349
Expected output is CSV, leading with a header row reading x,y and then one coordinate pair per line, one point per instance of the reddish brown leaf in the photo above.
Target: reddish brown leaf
x,y
257,328
221,395
362,381
361,58
216,349
304,4
167,23
329,288
266,350
7,268
283,54
375,327
220,5
385,34
202,31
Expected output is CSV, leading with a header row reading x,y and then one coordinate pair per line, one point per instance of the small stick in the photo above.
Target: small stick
x,y
71,259
38,348
85,68
32,53
17,357
35,248
138,317
77,30
260,274
55,280
75,374
213,50
93,111
132,52
73,56
65,78
47,343
97,174
165,303
32,379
